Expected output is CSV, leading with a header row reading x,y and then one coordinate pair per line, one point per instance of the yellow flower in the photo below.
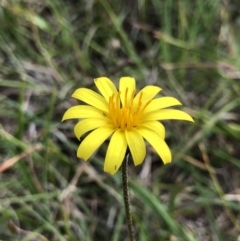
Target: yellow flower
x,y
127,117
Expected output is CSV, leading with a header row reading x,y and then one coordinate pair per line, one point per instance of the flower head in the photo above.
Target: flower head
x,y
128,117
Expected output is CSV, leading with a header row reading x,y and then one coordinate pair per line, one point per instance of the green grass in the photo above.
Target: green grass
x,y
189,48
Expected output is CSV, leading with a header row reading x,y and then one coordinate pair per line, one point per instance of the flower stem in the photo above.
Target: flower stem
x,y
127,198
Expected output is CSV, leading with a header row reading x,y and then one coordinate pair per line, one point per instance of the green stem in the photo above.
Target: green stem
x,y
127,198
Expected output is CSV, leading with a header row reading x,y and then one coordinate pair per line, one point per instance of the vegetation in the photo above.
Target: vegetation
x,y
49,48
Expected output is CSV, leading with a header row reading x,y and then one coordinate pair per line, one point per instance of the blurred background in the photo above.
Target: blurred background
x,y
49,48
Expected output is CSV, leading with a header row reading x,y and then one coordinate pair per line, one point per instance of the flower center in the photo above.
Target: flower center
x,y
126,114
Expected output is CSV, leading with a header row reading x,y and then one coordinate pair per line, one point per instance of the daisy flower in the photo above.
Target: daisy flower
x,y
125,116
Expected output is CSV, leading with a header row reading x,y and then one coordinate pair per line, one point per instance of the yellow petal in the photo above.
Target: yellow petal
x,y
155,126
86,125
148,93
169,114
136,145
157,143
106,87
83,111
92,142
91,97
116,152
161,103
129,84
